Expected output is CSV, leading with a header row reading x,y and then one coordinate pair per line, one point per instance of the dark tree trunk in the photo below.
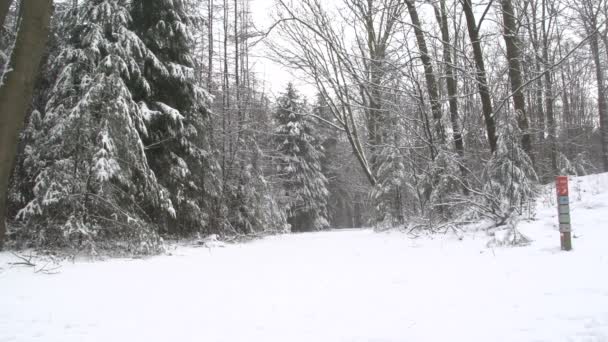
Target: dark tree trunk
x,y
480,75
429,74
450,80
442,19
515,75
601,98
549,95
210,52
16,92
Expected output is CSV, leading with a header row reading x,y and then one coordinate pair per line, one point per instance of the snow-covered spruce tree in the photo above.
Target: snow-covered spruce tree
x,y
299,164
23,181
93,186
388,194
509,176
177,116
444,181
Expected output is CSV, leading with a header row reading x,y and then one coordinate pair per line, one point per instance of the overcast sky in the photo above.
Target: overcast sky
x,y
274,75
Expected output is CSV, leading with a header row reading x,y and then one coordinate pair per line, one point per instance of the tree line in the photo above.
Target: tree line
x,y
142,127
147,122
456,110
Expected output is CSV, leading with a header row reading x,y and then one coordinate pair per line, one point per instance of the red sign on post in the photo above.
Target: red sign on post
x,y
562,185
563,209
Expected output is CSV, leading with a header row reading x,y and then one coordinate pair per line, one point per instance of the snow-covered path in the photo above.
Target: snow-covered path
x,y
353,285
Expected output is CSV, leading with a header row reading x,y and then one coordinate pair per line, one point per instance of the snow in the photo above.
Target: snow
x,y
348,285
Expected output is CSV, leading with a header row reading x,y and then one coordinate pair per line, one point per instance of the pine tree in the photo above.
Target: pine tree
x,y
299,164
509,176
388,194
92,179
179,151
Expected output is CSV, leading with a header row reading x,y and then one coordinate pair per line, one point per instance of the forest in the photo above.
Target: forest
x,y
145,121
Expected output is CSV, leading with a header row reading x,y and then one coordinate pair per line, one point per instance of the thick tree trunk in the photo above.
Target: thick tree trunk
x,y
16,92
429,74
515,75
480,75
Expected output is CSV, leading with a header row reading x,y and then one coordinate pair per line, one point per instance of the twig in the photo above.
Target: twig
x,y
25,262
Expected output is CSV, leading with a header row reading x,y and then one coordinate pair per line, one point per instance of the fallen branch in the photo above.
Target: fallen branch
x,y
27,262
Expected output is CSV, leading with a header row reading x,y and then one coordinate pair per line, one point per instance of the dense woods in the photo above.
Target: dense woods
x,y
147,121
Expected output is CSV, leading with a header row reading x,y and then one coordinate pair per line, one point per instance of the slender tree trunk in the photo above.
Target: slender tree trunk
x,y
549,94
16,92
515,75
442,20
537,114
480,75
450,80
601,98
429,74
225,97
210,47
237,72
551,119
566,118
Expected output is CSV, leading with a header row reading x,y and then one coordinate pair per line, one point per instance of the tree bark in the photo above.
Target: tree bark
x,y
515,75
442,19
429,74
549,93
480,75
601,98
5,5
16,92
210,47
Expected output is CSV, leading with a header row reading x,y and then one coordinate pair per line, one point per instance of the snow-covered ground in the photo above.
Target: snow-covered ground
x,y
353,285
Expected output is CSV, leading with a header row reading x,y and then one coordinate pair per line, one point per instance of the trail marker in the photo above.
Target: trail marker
x,y
563,210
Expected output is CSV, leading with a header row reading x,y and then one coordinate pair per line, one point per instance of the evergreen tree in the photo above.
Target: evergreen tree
x,y
92,179
509,176
389,192
179,149
299,164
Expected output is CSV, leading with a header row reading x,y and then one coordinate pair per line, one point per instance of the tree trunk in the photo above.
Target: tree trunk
x,y
442,20
601,98
210,52
480,75
16,92
549,95
515,75
429,74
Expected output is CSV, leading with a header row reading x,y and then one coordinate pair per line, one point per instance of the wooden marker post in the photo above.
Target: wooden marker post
x,y
563,210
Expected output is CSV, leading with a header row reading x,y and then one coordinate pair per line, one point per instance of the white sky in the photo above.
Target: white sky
x,y
274,75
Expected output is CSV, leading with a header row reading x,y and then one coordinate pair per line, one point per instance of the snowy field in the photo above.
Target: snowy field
x,y
353,285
